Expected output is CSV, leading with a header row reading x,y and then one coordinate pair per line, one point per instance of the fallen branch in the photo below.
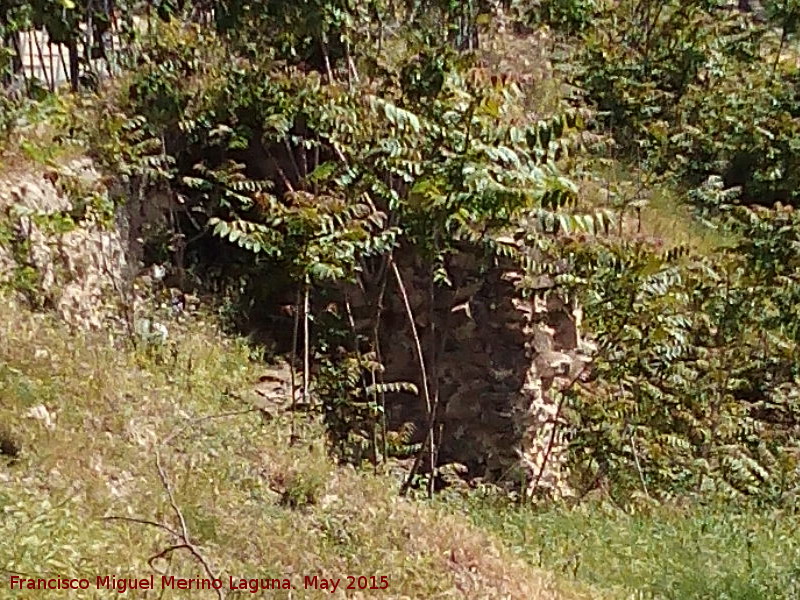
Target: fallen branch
x,y
143,522
184,530
181,535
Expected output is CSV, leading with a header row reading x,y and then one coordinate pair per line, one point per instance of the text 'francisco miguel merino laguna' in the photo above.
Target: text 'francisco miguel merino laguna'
x,y
252,585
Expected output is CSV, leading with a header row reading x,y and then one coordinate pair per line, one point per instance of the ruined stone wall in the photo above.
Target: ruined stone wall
x,y
82,272
497,357
78,270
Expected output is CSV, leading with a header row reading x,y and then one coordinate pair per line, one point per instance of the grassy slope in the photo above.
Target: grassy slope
x,y
254,506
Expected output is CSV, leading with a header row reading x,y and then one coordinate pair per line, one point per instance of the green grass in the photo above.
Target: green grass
x,y
254,506
666,218
664,553
40,133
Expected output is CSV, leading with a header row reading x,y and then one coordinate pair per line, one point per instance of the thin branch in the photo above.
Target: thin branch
x,y
784,35
166,528
292,370
304,161
164,553
63,60
338,153
352,322
17,44
295,166
182,536
417,343
423,374
47,77
184,530
328,70
379,355
639,466
434,452
306,349
281,172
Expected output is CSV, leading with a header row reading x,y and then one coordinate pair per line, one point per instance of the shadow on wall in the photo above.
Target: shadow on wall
x,y
495,356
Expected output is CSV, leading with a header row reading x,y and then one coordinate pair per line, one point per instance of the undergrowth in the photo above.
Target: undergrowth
x,y
88,414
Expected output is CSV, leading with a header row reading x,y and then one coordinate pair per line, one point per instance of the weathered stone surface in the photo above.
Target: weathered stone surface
x,y
78,270
498,359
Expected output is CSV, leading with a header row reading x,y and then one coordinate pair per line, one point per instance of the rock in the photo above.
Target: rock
x,y
79,271
500,364
40,413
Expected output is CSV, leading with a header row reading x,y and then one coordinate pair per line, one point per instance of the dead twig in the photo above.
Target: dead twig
x,y
164,553
166,528
423,373
181,535
184,530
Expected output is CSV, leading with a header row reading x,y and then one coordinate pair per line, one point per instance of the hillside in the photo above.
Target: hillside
x,y
490,299
109,451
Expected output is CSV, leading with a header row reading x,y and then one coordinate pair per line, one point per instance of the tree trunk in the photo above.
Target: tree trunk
x,y
74,59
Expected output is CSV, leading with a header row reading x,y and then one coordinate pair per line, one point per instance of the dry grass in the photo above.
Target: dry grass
x,y
254,506
527,59
649,210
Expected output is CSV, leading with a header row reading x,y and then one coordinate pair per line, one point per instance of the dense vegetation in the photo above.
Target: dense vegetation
x,y
314,141
310,144
697,369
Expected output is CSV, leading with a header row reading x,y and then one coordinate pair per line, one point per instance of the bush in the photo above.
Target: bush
x,y
684,89
695,380
571,16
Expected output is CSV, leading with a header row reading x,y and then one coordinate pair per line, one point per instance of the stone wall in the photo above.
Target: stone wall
x,y
497,357
79,271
